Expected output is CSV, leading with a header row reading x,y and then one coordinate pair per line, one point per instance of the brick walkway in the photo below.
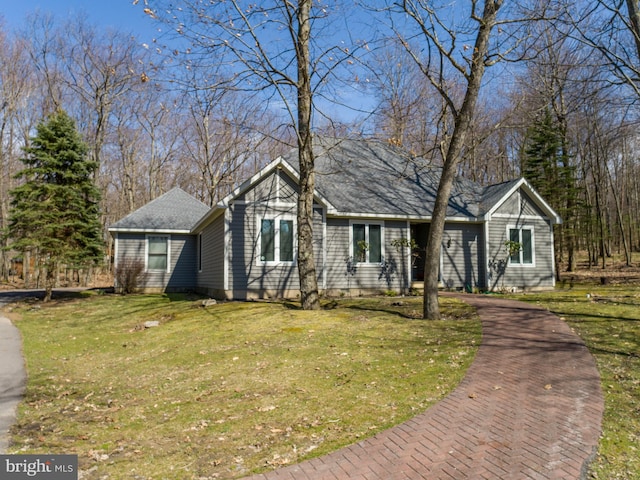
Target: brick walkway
x,y
529,407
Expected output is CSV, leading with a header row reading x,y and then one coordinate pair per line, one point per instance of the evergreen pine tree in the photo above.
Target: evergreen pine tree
x,y
545,164
542,156
55,213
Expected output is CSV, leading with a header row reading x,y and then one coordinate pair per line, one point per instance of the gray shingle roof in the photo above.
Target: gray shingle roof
x,y
373,177
494,193
176,210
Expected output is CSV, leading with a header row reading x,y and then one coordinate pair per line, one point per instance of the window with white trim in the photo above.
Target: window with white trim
x,y
524,237
366,242
276,239
158,253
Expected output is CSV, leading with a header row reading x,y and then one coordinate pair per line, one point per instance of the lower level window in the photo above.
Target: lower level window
x,y
276,240
524,237
367,242
157,252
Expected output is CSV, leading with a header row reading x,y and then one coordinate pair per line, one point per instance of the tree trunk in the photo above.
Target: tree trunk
x,y
431,309
306,264
634,19
49,281
619,219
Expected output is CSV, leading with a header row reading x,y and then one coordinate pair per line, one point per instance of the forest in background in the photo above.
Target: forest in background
x,y
562,111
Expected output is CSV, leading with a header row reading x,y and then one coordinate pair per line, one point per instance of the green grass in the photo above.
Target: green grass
x,y
608,320
228,390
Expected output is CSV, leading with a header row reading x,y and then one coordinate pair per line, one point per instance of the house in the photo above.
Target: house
x,y
160,235
372,208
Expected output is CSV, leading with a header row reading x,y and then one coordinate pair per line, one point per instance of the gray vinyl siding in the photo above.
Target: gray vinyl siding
x,y
318,244
504,275
393,274
273,197
520,211
511,206
246,272
130,247
211,277
276,187
519,203
337,249
397,275
183,263
463,256
182,257
528,207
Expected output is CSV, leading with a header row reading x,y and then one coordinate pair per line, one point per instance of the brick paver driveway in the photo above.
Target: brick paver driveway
x,y
529,407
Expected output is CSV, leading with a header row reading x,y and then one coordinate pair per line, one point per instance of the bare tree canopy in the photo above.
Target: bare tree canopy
x,y
231,85
269,48
452,47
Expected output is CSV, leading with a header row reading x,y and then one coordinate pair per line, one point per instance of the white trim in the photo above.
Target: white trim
x,y
553,256
226,249
542,204
409,257
324,248
487,249
149,230
520,217
366,223
115,251
279,164
533,245
386,216
269,204
276,217
146,253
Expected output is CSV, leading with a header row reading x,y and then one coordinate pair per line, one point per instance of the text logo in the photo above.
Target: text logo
x,y
39,467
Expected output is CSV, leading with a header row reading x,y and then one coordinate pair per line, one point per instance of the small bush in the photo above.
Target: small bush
x,y
129,275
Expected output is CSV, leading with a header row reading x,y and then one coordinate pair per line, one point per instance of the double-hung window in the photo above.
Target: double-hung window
x,y
366,242
523,236
158,253
277,239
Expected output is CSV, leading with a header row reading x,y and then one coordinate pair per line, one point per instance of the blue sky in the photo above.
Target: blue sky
x,y
126,16
120,14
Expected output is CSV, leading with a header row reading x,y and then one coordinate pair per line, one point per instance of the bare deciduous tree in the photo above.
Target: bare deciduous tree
x,y
100,67
441,54
614,33
222,137
452,45
270,49
15,84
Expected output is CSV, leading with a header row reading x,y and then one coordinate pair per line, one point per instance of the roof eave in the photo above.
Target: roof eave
x,y
390,216
214,213
148,230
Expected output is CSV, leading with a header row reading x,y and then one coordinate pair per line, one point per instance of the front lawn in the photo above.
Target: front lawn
x,y
229,390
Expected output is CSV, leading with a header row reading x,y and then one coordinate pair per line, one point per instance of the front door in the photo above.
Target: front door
x,y
419,234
